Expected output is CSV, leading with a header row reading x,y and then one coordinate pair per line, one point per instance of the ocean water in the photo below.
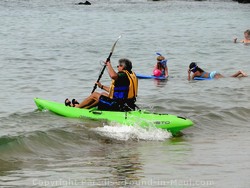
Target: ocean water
x,y
52,49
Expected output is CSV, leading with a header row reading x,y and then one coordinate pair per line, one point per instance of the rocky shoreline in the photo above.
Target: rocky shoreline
x,y
242,1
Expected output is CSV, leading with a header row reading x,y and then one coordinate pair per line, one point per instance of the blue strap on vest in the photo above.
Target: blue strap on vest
x,y
121,92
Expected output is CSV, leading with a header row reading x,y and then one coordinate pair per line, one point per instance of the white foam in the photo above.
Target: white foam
x,y
123,132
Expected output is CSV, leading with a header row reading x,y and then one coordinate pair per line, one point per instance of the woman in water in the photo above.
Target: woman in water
x,y
198,72
161,68
246,39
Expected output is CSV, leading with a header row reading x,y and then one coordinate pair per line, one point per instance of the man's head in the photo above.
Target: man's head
x,y
127,65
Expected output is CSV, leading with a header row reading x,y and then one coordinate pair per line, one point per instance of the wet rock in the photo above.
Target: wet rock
x,y
85,3
242,1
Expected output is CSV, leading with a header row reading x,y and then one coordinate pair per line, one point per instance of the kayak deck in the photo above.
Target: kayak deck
x,y
171,123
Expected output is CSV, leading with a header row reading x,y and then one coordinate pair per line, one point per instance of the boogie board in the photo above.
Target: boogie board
x,y
142,76
171,123
201,78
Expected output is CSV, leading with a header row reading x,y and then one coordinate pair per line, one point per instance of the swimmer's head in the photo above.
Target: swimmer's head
x,y
193,67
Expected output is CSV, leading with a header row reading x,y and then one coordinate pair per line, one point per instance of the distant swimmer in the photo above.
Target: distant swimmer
x,y
246,39
85,3
198,72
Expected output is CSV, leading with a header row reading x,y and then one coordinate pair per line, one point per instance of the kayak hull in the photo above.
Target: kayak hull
x,y
171,123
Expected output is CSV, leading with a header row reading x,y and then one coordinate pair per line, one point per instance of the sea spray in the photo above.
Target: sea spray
x,y
135,132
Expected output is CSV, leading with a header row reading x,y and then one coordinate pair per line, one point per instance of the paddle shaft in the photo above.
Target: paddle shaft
x,y
107,60
100,76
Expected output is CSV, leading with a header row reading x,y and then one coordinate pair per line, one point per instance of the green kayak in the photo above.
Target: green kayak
x,y
171,123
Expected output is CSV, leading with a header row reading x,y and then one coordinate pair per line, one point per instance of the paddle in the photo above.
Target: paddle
x,y
108,59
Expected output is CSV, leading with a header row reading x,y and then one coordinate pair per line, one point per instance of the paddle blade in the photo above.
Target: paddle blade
x,y
112,49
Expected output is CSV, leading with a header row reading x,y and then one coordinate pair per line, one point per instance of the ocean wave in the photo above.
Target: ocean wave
x,y
39,143
65,140
220,121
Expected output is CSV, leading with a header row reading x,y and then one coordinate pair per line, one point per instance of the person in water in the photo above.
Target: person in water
x,y
161,68
198,72
119,96
246,39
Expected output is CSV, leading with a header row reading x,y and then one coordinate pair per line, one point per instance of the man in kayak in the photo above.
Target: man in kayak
x,y
198,72
120,96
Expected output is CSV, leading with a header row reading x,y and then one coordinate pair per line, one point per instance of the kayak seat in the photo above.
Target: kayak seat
x,y
105,103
